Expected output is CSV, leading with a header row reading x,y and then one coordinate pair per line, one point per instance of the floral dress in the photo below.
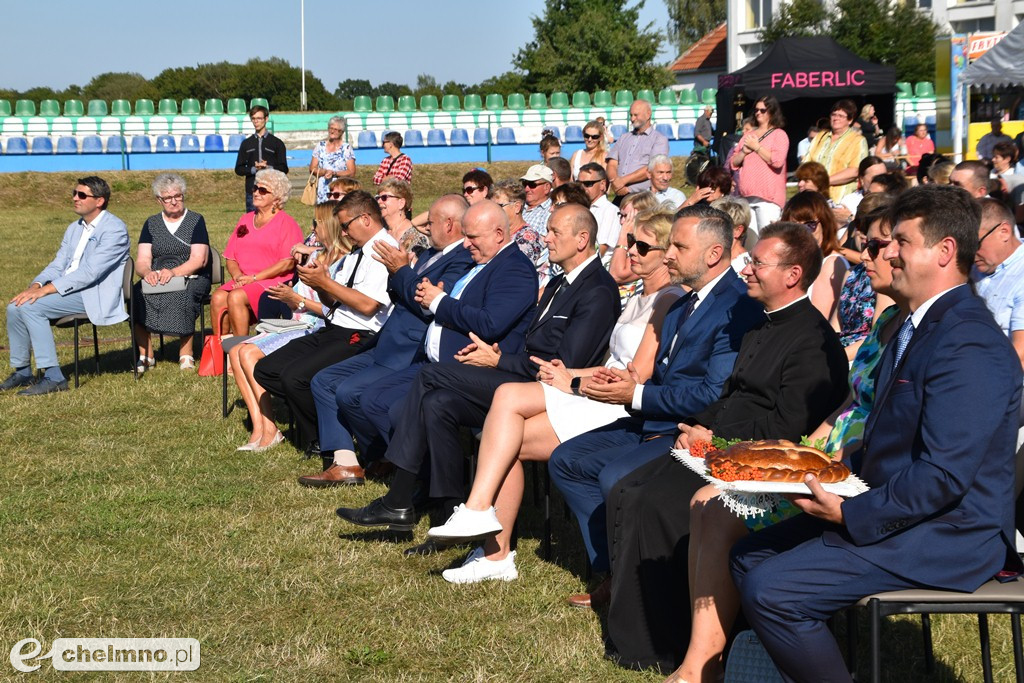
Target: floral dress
x,y
856,306
531,243
334,161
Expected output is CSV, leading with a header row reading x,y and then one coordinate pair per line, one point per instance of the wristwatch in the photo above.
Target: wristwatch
x,y
575,385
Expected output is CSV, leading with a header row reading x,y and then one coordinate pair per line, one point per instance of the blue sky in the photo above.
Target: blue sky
x,y
59,43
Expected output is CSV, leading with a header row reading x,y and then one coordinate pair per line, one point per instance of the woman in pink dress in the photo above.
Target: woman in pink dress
x,y
760,156
258,254
918,144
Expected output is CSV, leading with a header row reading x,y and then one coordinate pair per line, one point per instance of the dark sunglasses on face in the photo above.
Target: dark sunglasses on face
x,y
385,197
532,184
590,183
81,195
760,110
642,248
469,189
587,136
874,246
259,189
335,195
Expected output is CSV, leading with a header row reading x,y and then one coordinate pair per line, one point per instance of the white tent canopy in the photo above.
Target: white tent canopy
x,y
1002,65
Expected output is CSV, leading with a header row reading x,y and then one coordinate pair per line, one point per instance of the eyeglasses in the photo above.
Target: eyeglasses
x,y
81,195
344,226
642,248
757,265
532,184
590,183
504,204
760,110
335,195
173,198
259,189
591,137
874,246
385,197
470,189
990,231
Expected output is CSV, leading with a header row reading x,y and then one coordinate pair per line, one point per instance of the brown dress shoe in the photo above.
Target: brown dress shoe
x,y
335,475
597,598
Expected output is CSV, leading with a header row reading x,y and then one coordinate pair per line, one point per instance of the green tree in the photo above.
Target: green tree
x,y
351,88
504,84
427,85
800,18
591,44
393,89
690,20
453,88
120,85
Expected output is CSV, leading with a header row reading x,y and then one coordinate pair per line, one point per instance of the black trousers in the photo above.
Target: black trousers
x,y
288,371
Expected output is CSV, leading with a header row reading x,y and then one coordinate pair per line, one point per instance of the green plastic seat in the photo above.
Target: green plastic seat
x,y
472,103
76,108
236,106
96,108
667,97
603,98
924,89
167,107
5,108
49,108
213,106
708,95
362,104
580,99
406,103
428,103
559,100
121,108
260,102
495,102
385,103
646,94
24,108
190,107
451,103
688,97
538,100
623,98
144,108
904,89
516,101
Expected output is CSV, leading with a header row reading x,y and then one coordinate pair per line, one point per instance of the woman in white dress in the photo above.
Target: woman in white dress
x,y
528,420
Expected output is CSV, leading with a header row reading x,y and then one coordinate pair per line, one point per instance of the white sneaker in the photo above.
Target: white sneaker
x,y
476,569
467,525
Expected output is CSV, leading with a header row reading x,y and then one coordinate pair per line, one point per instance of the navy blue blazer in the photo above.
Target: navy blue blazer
x,y
577,327
402,336
690,378
496,305
939,451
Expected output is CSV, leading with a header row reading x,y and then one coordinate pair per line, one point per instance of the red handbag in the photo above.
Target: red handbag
x,y
211,362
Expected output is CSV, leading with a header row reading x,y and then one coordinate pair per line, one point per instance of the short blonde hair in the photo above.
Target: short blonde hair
x,y
658,221
276,182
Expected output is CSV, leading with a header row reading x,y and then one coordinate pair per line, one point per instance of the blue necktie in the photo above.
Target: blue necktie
x,y
464,280
902,340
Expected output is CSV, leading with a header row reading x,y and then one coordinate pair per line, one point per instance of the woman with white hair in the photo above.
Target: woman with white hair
x,y
174,250
332,158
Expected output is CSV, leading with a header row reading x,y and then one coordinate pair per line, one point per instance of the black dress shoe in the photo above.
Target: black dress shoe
x,y
379,514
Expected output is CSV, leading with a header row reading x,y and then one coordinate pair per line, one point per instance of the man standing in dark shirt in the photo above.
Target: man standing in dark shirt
x,y
258,151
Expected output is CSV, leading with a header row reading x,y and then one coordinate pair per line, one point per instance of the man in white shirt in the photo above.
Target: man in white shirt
x,y
594,180
659,170
85,276
537,183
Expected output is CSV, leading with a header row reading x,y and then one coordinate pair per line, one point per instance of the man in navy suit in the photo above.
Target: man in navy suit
x,y
573,322
84,276
938,454
338,389
700,338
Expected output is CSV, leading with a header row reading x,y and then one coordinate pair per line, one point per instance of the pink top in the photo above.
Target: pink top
x,y
263,247
917,147
766,179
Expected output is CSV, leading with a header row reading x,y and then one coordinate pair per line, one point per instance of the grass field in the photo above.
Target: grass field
x,y
126,512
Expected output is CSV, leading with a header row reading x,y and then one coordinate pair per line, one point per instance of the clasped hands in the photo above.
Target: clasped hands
x,y
159,277
426,292
282,292
479,353
313,274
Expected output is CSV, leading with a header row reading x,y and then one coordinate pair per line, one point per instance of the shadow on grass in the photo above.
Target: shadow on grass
x,y
378,535
902,649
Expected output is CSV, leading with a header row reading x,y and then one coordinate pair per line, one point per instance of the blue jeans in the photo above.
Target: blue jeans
x,y
28,330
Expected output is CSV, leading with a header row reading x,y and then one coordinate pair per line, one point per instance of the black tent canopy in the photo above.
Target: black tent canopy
x,y
806,75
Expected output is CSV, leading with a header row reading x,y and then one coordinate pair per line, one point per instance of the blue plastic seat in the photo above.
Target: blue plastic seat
x,y
686,131
573,134
17,146
213,143
666,130
413,138
67,145
367,138
92,144
506,136
42,145
115,144
481,136
618,130
909,122
235,141
554,131
141,145
435,138
930,119
189,143
164,144
459,136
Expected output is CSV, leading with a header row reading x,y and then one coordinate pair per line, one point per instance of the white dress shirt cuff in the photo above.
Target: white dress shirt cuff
x,y
638,397
436,302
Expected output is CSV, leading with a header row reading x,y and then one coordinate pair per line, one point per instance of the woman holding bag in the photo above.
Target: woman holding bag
x,y
332,158
173,256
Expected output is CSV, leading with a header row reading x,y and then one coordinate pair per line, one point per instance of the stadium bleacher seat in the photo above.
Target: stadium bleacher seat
x,y
367,138
97,108
516,101
213,107
189,143
259,102
930,119
435,138
74,108
623,98
603,98
24,108
190,107
158,125
120,108
167,107
42,145
924,89
429,103
506,136
413,138
17,146
667,97
573,134
141,145
903,88
406,103
666,130
618,130
213,143
559,100
116,144
555,131
685,131
37,125
459,136
708,95
227,125
646,94
481,136
909,122
5,108
384,103
92,144
61,125
362,104
538,100
495,102
144,108
236,107
67,145
580,99
688,96
451,103
12,125
472,102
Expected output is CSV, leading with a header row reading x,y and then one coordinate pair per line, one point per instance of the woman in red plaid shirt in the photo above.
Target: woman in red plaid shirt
x,y
395,165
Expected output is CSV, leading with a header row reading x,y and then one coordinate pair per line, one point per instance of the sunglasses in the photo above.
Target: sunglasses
x,y
335,195
642,248
344,226
259,189
81,195
470,189
591,137
760,110
532,184
590,183
874,246
385,197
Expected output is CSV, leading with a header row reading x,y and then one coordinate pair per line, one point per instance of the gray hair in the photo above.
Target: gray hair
x,y
658,160
339,120
167,181
738,209
276,182
714,223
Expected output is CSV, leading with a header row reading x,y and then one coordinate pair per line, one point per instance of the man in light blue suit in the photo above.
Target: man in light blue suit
x,y
699,341
85,276
938,454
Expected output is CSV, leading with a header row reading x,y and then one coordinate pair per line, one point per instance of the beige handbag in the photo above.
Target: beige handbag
x,y
309,193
